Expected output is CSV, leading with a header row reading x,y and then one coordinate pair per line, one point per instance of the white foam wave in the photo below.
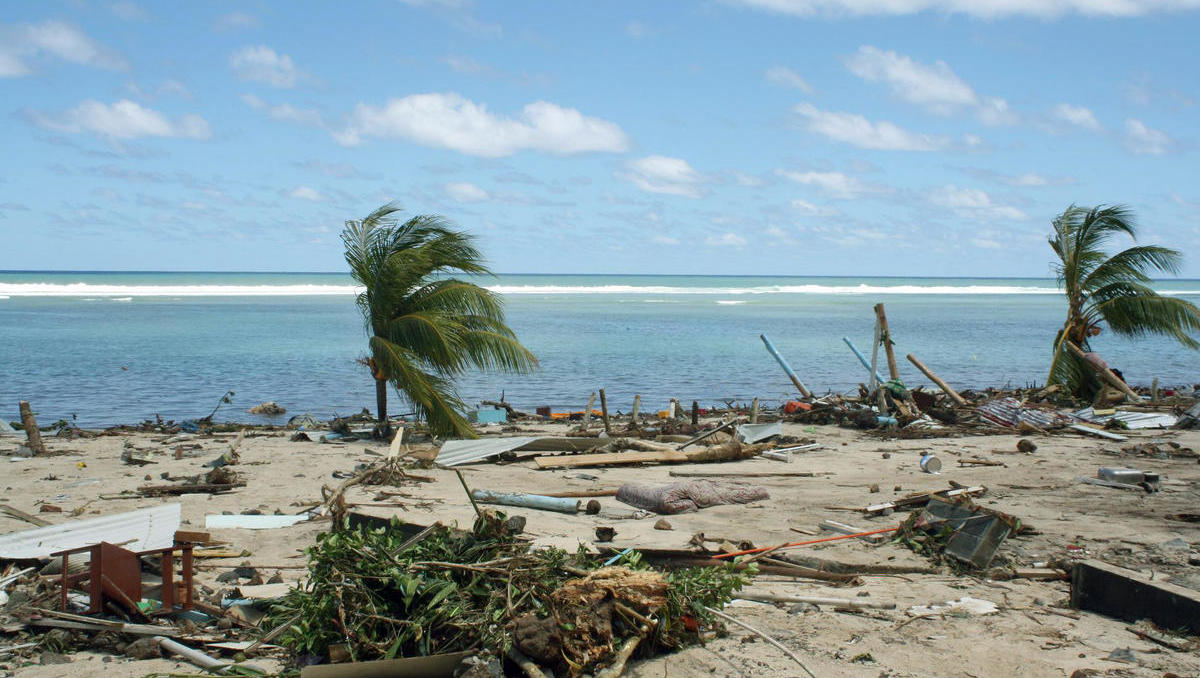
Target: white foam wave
x,y
122,298
87,290
120,291
773,289
729,302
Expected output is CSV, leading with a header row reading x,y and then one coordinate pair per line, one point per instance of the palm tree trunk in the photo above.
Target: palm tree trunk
x,y
381,399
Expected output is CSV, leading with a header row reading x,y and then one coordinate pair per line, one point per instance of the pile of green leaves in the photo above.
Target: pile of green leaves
x,y
452,591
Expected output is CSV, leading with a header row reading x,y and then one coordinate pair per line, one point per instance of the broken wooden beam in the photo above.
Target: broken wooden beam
x,y
951,393
33,437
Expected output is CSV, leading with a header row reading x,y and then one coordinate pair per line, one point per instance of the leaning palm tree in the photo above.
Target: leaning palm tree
x,y
425,326
1110,290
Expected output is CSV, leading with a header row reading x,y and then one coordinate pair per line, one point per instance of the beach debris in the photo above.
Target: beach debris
x,y
536,501
647,452
115,576
446,591
663,524
140,530
970,534
963,606
267,409
1190,418
688,496
1009,412
487,415
456,452
845,603
189,488
753,433
305,420
853,530
605,533
930,463
1026,446
1126,420
33,437
131,454
913,501
950,392
6,429
1131,596
787,369
434,666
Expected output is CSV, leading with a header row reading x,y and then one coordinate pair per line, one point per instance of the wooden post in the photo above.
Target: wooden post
x,y
958,400
32,435
695,413
637,405
754,411
886,338
1154,392
587,412
1105,373
604,411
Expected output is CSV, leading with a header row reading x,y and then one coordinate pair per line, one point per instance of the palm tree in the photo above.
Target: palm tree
x,y
426,327
1112,291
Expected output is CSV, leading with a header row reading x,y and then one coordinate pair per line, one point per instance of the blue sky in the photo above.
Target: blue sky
x,y
806,137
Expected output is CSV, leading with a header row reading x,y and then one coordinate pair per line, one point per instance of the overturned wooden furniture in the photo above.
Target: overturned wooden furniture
x,y
115,574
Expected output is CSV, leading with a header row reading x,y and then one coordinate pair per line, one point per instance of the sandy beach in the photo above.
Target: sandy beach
x,y
1032,633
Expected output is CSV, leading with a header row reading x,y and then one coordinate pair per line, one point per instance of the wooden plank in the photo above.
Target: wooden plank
x,y
21,515
605,459
192,536
1128,595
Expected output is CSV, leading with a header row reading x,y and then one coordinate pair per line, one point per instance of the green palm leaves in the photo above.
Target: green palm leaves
x,y
426,327
1111,290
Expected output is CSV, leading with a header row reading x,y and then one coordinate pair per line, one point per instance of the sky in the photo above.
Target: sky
x,y
780,137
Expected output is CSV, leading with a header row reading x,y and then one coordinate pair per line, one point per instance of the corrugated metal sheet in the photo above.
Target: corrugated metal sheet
x,y
455,452
1010,412
1133,420
752,433
141,530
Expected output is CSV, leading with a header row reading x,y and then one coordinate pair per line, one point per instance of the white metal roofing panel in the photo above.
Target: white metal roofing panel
x,y
141,530
455,452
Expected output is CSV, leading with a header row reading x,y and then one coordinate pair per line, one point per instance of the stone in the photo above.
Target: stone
x,y
663,524
143,648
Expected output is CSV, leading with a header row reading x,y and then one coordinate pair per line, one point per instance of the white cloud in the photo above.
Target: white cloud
x,y
55,39
128,11
263,64
448,120
124,119
466,192
986,243
994,111
169,86
983,9
1144,140
304,116
832,184
972,203
725,240
664,240
306,193
934,86
662,174
638,30
809,209
856,130
786,77
1078,116
236,21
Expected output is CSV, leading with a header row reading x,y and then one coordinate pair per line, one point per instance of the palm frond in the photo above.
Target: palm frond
x,y
1132,265
1142,315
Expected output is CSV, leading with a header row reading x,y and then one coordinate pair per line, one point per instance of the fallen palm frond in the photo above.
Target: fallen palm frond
x,y
375,594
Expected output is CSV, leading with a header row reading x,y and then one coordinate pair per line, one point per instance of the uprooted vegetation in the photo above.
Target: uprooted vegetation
x,y
374,594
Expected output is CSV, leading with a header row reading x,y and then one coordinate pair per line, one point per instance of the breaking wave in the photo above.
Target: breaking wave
x,y
87,290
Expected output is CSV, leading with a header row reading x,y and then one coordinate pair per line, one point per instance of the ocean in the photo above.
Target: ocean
x,y
109,348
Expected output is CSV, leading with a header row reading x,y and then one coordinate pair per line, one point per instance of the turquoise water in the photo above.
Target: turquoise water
x,y
121,347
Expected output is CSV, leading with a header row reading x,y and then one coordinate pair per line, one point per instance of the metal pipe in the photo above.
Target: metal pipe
x,y
862,359
786,368
533,501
